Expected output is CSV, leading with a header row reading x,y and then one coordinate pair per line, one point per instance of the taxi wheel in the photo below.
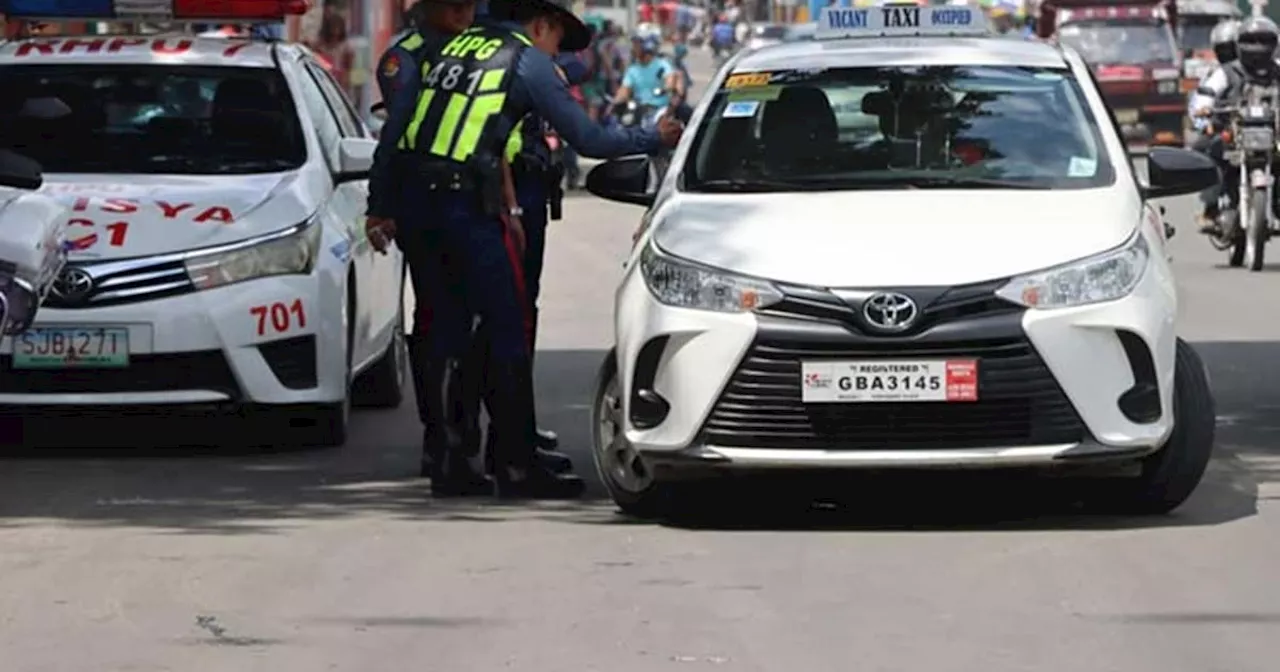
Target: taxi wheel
x,y
622,470
1170,476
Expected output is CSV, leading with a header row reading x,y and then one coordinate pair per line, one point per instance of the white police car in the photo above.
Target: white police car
x,y
216,190
962,271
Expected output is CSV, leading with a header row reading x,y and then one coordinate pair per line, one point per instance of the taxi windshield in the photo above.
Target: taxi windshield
x,y
966,127
157,119
1120,41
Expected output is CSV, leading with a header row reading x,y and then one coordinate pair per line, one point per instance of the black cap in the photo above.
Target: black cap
x,y
576,35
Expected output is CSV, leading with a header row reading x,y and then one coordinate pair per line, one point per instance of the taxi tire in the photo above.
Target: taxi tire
x,y
1170,475
681,499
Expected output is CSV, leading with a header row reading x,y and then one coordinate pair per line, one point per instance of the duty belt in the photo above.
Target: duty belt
x,y
447,178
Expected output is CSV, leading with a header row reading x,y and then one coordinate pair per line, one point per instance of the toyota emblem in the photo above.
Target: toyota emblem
x,y
890,312
74,285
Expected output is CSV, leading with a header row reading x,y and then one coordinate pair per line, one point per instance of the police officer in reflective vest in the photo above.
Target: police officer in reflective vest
x,y
430,23
475,91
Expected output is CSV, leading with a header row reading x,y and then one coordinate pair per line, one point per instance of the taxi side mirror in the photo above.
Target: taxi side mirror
x,y
1173,171
355,159
624,180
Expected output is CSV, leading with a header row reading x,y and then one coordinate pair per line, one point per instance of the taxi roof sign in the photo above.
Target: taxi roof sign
x,y
901,20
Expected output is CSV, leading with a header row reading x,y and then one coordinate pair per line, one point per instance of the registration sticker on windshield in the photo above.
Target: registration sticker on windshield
x,y
747,79
740,109
1081,167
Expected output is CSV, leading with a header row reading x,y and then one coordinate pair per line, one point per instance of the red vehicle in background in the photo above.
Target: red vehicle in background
x,y
1132,48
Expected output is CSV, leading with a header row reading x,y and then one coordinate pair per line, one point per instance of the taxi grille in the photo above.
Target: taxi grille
x,y
1019,402
124,281
166,372
956,303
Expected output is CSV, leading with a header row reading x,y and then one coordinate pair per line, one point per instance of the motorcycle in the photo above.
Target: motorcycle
x,y
1248,217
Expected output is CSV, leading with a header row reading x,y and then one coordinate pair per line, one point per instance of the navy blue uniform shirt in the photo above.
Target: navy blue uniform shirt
x,y
538,87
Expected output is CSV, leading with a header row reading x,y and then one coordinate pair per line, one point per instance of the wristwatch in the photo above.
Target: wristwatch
x,y
515,212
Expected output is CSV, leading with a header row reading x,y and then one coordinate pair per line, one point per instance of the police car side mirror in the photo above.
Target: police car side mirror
x,y
19,172
624,180
355,159
1173,171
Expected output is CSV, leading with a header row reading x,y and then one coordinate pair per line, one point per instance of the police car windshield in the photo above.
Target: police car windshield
x,y
923,127
157,119
1120,41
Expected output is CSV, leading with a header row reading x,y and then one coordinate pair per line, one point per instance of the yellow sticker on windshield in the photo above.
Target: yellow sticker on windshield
x,y
764,93
747,79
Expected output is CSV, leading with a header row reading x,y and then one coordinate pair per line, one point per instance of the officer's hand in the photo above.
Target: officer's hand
x,y
669,130
515,229
380,231
1204,111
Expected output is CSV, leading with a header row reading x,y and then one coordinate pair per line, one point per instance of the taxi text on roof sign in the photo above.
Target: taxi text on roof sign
x,y
158,10
892,20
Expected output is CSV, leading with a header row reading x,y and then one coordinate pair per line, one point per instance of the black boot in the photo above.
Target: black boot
x,y
418,363
517,472
452,474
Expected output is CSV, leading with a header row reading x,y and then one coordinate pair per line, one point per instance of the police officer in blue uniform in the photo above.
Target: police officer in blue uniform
x,y
429,24
476,89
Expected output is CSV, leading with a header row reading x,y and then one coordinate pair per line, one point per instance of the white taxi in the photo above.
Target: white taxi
x,y
216,190
905,244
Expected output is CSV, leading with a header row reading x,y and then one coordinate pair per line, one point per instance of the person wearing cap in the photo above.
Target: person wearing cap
x,y
429,24
476,89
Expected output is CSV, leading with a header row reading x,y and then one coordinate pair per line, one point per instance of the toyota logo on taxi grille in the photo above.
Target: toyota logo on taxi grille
x,y
890,312
74,285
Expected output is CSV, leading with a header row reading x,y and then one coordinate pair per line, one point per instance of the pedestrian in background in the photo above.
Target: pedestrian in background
x,y
336,48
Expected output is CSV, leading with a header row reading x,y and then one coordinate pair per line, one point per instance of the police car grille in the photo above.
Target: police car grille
x,y
128,281
1019,403
165,372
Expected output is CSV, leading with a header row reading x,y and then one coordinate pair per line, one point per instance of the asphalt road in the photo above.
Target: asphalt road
x,y
172,557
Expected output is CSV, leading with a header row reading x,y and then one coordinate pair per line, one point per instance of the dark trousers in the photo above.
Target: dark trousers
x,y
531,193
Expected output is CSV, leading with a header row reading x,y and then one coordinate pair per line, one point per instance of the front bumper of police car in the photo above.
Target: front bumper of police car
x,y
259,321
1074,364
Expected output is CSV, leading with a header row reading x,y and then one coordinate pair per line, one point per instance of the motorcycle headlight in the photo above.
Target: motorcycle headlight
x,y
1106,277
292,251
683,284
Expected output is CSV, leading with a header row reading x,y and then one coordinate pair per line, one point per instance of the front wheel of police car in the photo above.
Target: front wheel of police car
x,y
216,254
820,290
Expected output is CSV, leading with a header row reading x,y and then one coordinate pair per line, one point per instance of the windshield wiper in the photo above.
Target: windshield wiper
x,y
774,185
957,182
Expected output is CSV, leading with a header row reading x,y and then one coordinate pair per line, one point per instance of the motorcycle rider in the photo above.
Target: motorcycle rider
x,y
651,80
1255,63
721,36
1223,40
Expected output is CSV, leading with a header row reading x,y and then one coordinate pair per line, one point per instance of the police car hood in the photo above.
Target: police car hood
x,y
119,216
895,238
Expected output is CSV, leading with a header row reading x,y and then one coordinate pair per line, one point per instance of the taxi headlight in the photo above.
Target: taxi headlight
x,y
1106,277
682,284
1167,88
288,252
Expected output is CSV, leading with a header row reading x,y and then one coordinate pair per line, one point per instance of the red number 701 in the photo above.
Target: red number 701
x,y
283,317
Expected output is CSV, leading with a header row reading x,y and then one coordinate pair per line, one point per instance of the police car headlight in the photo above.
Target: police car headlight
x,y
682,284
1106,277
292,251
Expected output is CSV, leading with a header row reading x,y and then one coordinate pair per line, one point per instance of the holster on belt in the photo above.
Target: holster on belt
x,y
555,191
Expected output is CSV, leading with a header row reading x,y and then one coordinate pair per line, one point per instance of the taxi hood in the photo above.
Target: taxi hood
x,y
120,216
895,238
